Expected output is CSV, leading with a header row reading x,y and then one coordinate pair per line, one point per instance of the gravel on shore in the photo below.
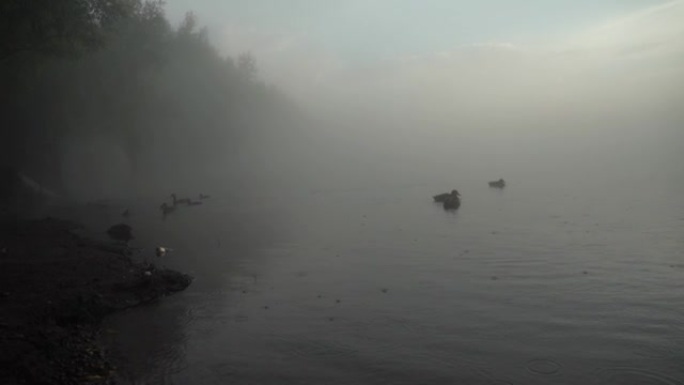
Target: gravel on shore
x,y
55,288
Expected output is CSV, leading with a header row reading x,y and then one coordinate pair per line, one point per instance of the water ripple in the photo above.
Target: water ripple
x,y
632,375
543,366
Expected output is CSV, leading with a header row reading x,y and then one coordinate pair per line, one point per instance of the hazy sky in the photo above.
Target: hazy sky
x,y
315,46
367,29
524,80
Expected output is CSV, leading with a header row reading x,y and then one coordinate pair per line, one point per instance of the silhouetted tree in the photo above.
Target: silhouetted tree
x,y
247,65
59,27
117,70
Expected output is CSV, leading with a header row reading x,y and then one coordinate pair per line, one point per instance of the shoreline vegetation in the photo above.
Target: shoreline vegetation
x,y
57,286
105,98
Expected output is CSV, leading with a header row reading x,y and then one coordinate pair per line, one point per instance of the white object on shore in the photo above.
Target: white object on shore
x,y
161,251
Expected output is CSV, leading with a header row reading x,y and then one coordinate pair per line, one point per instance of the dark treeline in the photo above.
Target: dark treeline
x,y
108,94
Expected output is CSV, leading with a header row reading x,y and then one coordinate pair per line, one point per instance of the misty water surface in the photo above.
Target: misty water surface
x,y
321,258
540,283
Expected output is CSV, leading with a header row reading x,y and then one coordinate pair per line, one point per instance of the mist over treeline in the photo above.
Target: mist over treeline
x,y
104,98
110,98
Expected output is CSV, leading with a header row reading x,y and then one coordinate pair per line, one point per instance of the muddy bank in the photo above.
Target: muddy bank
x,y
55,288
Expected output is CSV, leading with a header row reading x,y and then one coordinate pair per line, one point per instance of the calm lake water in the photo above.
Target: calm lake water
x,y
536,284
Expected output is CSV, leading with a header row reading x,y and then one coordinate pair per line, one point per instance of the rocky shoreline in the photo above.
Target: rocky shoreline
x,y
56,286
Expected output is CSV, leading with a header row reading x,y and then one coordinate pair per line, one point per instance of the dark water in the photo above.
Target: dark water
x,y
531,285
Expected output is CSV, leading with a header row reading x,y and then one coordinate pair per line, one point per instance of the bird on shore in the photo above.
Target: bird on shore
x,y
161,251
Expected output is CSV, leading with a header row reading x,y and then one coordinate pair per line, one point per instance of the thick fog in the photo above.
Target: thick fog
x,y
167,105
601,102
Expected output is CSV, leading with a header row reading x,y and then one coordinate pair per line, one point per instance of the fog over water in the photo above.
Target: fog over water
x,y
598,101
321,258
587,101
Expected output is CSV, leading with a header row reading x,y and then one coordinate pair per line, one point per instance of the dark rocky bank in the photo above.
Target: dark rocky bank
x,y
55,288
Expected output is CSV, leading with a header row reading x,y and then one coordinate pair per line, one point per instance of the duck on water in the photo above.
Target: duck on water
x,y
498,183
166,209
450,201
177,201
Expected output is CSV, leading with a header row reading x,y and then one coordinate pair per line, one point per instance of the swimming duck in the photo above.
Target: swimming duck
x,y
202,196
166,209
498,183
453,202
441,198
177,201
